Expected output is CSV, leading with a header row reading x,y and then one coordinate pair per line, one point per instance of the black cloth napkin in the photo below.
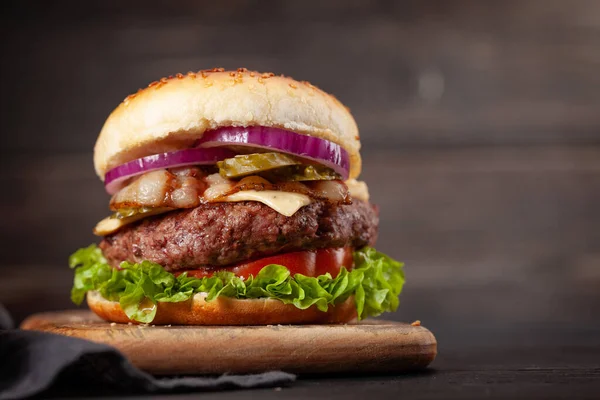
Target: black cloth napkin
x,y
39,363
6,321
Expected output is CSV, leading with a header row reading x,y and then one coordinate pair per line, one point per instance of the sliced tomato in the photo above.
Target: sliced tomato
x,y
299,262
331,260
308,263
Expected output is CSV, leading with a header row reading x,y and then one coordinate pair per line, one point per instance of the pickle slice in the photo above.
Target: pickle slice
x,y
301,173
274,167
123,213
252,164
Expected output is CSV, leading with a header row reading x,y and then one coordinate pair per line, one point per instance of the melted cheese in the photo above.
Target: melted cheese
x,y
284,203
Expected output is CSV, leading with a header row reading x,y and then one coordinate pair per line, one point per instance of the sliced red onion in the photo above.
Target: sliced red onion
x,y
115,178
323,151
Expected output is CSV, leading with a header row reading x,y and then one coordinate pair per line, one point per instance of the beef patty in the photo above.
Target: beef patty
x,y
219,234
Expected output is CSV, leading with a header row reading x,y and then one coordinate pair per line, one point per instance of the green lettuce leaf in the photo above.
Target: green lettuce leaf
x,y
375,281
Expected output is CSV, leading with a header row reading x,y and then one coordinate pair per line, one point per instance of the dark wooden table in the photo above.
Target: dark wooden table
x,y
536,373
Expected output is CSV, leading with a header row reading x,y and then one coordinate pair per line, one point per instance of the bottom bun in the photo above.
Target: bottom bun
x,y
228,311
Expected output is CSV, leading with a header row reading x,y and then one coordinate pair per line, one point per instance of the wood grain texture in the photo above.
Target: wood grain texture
x,y
369,346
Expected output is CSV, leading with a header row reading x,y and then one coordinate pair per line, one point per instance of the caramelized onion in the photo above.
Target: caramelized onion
x,y
189,187
331,191
178,188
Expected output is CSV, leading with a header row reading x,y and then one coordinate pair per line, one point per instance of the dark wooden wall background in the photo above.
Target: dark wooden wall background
x,y
480,123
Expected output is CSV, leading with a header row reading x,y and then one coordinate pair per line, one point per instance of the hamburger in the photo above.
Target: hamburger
x,y
234,201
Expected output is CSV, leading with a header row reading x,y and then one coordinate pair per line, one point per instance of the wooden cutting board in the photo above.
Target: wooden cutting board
x,y
368,346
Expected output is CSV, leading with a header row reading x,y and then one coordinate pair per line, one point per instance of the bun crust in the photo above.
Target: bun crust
x,y
172,113
227,311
